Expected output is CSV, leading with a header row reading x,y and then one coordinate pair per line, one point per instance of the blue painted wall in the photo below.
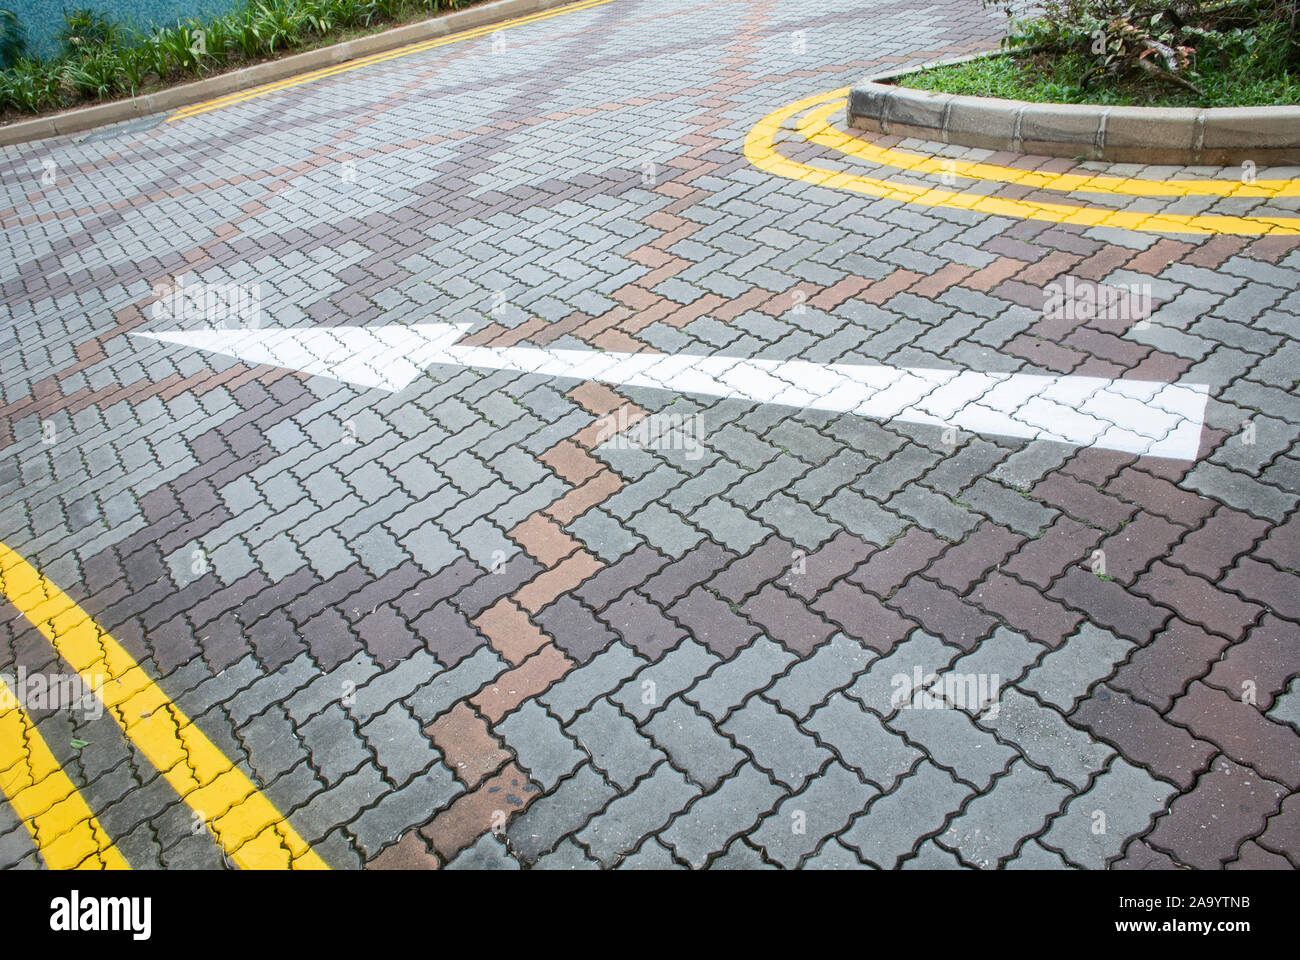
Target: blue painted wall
x,y
43,18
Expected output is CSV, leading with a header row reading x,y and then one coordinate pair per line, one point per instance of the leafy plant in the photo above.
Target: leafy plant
x,y
84,28
97,74
13,39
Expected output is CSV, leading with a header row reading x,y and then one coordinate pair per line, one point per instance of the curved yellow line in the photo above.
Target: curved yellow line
x,y
760,150
817,129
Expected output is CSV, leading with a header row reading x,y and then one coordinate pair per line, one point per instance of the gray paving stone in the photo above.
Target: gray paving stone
x,y
1096,824
751,669
1019,805
799,824
1044,737
834,856
657,683
652,855
579,688
404,808
711,821
862,742
548,818
617,748
952,740
895,823
775,742
400,747
543,748
632,816
1063,676
810,681
487,853
931,856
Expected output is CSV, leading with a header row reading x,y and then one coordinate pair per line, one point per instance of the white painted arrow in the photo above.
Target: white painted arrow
x,y
1134,416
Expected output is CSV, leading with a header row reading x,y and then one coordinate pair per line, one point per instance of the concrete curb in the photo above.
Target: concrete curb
x,y
164,101
1217,136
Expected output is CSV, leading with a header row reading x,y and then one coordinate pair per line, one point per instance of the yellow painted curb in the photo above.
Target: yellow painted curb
x,y
760,150
351,65
249,829
67,834
816,127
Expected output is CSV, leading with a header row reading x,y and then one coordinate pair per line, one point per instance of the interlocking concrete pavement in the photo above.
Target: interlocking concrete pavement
x,y
449,627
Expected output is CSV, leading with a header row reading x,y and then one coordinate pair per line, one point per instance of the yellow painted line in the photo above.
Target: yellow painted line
x,y
246,825
760,150
816,127
49,805
321,74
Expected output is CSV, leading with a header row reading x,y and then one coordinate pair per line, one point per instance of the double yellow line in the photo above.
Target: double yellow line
x,y
247,826
814,127
325,72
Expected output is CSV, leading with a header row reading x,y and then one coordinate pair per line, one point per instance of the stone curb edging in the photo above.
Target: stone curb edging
x,y
172,98
1217,136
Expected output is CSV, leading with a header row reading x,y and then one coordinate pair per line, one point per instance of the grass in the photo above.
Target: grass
x,y
1043,78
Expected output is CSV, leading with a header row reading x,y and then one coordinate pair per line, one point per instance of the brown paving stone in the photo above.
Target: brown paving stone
x,y
467,745
515,686
1282,545
447,634
1197,600
939,281
1158,495
1254,857
571,463
632,570
1131,549
1282,835
386,636
1155,258
1139,856
642,625
965,563
786,620
1064,543
834,559
560,579
1276,590
1226,534
475,813
1110,604
863,616
1026,609
1206,827
942,613
885,289
578,501
544,539
713,622
990,276
411,852
763,564
1241,731
1143,736
890,566
679,577
1263,663
1160,672
577,630
510,632
1082,501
